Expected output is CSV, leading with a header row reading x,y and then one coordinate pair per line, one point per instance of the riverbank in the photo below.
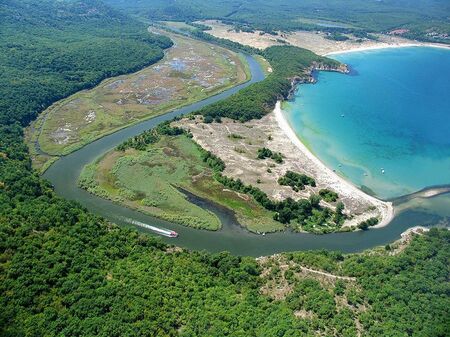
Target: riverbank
x,y
329,178
155,181
65,172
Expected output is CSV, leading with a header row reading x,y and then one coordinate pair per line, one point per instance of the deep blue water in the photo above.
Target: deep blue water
x,y
391,114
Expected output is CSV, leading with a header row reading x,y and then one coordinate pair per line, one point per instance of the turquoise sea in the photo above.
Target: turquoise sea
x,y
386,126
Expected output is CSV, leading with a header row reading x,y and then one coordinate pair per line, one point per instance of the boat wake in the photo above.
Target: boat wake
x,y
161,231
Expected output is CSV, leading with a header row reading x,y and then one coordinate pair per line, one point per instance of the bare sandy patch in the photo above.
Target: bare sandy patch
x,y
237,145
258,39
276,285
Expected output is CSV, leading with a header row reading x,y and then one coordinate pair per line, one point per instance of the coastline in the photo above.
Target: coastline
x,y
384,45
341,185
315,41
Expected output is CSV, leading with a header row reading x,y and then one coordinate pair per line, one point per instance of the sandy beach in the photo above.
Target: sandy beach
x,y
315,41
337,183
388,45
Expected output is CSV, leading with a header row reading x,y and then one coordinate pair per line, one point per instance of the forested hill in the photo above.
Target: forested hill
x,y
419,16
50,49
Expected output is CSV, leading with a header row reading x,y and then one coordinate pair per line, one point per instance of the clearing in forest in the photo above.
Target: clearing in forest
x,y
315,41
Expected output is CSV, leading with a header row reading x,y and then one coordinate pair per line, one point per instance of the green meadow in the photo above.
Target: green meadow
x,y
152,182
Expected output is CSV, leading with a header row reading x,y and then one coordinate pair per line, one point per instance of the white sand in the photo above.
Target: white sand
x,y
383,45
337,183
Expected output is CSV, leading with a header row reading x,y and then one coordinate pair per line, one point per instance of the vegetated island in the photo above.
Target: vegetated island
x,y
236,153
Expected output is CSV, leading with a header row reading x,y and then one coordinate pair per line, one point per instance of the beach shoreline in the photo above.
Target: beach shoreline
x,y
384,45
342,186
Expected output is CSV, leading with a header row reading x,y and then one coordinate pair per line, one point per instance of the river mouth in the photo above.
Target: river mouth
x,y
232,237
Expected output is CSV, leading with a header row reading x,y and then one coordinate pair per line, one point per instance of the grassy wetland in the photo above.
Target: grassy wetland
x,y
152,181
190,71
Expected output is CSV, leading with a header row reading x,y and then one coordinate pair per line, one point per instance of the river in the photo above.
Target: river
x,y
232,237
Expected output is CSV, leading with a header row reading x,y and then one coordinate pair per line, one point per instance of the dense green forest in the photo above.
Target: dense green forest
x,y
426,19
66,272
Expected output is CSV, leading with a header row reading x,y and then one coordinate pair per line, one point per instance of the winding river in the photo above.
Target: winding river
x,y
64,174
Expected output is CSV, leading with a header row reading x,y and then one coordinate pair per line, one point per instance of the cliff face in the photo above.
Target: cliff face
x,y
307,76
341,68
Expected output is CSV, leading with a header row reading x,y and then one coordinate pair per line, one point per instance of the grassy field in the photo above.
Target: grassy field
x,y
149,181
191,71
178,25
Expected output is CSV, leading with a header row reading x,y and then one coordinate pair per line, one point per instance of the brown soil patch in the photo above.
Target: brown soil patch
x,y
243,164
312,40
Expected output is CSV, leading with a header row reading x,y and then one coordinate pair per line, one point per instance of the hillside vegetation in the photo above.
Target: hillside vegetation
x,y
259,98
51,49
426,19
65,272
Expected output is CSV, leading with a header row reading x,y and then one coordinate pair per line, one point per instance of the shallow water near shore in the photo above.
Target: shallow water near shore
x,y
386,126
